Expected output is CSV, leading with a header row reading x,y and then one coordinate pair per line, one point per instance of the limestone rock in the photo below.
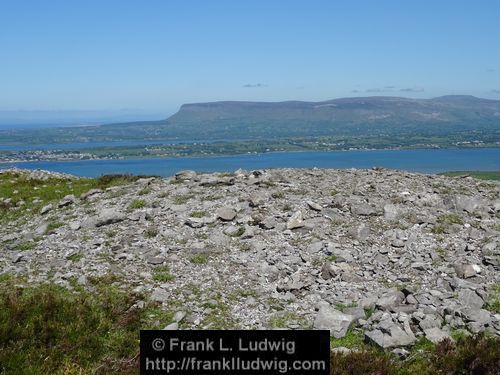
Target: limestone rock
x,y
226,213
109,216
335,321
296,221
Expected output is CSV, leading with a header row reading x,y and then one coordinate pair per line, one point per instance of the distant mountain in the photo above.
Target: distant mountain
x,y
456,115
349,116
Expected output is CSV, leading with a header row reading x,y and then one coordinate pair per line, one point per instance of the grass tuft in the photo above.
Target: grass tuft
x,y
162,274
137,204
201,258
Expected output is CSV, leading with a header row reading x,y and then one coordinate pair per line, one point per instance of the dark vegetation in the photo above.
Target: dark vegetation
x,y
475,355
46,329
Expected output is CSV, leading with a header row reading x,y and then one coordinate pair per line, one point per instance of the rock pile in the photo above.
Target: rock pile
x,y
397,255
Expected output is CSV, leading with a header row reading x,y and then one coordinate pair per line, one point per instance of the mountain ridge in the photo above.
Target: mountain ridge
x,y
456,118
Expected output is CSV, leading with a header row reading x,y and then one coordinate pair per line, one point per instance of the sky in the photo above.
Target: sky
x,y
151,56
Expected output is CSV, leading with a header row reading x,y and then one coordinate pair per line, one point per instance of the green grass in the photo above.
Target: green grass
x,y
283,319
75,257
137,203
438,229
162,274
36,193
24,246
110,180
201,258
199,214
182,199
53,225
219,315
352,339
493,302
46,329
343,306
239,232
151,232
450,219
145,191
369,312
470,355
493,175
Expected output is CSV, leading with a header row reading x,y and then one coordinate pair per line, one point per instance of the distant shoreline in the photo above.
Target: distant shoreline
x,y
200,149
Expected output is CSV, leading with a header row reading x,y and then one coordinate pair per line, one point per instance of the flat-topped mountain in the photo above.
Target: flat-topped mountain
x,y
345,116
457,117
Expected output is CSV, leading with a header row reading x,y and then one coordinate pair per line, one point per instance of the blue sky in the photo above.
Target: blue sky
x,y
155,55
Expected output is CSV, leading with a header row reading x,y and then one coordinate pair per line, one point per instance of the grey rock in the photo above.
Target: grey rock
x,y
74,225
466,271
342,350
480,316
109,216
155,260
419,266
41,229
234,230
172,327
179,316
226,213
45,209
194,222
430,321
159,295
269,223
368,302
470,299
401,352
314,206
315,247
391,212
90,193
391,336
390,299
295,221
66,201
332,215
335,321
257,199
17,258
467,203
436,335
357,312
360,233
185,175
363,209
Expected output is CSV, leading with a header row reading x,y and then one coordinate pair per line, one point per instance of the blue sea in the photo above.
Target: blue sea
x,y
425,161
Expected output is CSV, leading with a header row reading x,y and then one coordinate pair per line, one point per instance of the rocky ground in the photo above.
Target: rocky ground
x,y
394,255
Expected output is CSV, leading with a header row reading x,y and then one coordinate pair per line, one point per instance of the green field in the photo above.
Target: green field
x,y
490,175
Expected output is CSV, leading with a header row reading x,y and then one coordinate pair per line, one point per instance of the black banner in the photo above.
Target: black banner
x,y
235,352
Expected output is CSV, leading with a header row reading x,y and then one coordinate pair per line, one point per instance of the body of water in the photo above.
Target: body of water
x,y
426,161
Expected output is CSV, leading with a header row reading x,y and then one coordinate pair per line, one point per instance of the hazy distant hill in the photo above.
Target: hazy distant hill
x,y
365,116
347,116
